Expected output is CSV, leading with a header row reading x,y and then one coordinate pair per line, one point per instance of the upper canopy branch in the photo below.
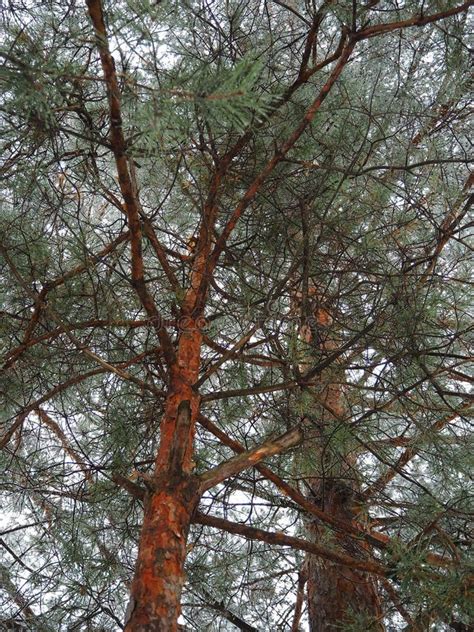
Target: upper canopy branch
x,y
417,20
127,189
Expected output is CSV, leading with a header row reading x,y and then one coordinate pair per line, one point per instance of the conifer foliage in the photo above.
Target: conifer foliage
x,y
234,276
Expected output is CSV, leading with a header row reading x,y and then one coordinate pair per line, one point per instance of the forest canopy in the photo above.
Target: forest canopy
x,y
235,279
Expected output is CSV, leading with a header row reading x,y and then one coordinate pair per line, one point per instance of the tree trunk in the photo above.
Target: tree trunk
x,y
337,596
172,498
159,575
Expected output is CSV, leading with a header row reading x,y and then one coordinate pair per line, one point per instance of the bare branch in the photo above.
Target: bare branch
x,y
280,539
249,459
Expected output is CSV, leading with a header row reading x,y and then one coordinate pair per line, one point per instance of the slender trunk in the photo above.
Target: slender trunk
x,y
172,498
337,596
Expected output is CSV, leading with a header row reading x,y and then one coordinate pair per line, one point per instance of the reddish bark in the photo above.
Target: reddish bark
x,y
173,490
173,494
159,575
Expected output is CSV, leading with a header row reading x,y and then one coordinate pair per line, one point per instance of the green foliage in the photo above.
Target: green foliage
x,y
365,216
224,97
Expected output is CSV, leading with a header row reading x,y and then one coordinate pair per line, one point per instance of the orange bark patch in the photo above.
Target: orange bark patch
x,y
159,578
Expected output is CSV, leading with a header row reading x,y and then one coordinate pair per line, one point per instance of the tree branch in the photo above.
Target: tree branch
x,y
125,181
280,539
418,20
377,540
278,156
250,458
220,607
411,451
14,354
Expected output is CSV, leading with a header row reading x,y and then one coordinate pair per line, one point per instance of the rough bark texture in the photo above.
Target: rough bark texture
x,y
338,596
159,578
173,496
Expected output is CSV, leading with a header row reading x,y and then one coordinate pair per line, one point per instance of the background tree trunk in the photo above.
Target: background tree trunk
x,y
337,595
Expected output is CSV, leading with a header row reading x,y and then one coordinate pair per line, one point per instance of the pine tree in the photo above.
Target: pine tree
x,y
235,316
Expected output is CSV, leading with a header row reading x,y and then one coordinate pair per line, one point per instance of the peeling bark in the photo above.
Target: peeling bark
x,y
173,497
159,576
